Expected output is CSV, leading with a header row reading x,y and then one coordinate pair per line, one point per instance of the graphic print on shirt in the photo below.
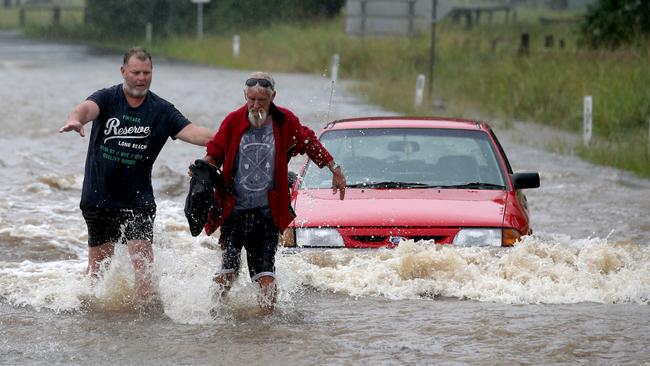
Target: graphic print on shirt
x,y
129,145
256,158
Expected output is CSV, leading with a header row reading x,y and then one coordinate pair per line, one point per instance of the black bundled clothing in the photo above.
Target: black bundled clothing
x,y
200,199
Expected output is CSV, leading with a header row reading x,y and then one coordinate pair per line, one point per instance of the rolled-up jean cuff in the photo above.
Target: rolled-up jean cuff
x,y
262,274
224,271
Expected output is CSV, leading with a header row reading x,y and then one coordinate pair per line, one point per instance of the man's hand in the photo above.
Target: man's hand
x,y
80,115
208,159
73,125
338,179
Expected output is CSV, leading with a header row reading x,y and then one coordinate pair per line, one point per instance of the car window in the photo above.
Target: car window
x,y
426,156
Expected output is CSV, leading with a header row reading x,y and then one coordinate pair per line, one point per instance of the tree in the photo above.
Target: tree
x,y
128,18
236,14
612,23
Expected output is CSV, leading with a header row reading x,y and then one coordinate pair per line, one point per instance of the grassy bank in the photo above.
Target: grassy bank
x,y
10,18
475,70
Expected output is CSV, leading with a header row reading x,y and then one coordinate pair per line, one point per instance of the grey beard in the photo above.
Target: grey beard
x,y
256,119
133,92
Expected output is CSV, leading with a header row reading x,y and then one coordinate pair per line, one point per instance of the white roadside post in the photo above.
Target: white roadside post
x,y
336,59
235,46
148,32
586,131
199,17
419,90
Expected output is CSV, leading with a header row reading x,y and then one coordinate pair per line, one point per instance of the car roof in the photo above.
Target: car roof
x,y
406,122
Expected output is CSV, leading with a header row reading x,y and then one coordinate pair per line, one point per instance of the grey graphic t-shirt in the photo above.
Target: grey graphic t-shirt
x,y
255,163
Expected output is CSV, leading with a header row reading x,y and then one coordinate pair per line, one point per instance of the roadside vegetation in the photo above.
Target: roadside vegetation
x,y
478,72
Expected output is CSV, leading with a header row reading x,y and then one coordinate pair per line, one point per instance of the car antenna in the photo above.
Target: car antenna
x,y
329,105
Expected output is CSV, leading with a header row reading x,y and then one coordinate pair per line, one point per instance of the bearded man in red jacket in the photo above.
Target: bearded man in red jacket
x,y
253,145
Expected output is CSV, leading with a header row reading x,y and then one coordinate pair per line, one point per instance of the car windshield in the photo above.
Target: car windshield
x,y
410,158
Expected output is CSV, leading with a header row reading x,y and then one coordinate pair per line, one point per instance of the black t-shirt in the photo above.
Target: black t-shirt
x,y
124,143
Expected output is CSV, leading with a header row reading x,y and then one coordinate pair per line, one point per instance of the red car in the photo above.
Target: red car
x,y
445,180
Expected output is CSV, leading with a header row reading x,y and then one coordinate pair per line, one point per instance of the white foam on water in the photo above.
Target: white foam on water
x,y
183,268
535,271
551,270
44,233
58,286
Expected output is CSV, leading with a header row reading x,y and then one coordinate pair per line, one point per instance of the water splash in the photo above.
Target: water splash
x,y
557,270
535,271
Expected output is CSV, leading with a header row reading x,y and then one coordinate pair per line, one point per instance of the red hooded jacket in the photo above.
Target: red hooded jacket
x,y
291,139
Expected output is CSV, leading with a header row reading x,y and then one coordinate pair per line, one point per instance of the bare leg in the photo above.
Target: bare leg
x,y
222,284
268,294
141,254
96,255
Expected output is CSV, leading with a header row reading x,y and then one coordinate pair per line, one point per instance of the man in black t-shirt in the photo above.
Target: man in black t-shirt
x,y
130,126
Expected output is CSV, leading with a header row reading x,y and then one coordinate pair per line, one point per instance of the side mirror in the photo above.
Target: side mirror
x,y
525,180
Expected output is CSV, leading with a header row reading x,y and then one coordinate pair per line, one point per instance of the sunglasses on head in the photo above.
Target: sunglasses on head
x,y
262,82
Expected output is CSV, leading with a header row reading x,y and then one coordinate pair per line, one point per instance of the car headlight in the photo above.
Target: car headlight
x,y
318,237
478,238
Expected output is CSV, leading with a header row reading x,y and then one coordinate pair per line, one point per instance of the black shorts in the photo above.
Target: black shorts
x,y
118,226
255,231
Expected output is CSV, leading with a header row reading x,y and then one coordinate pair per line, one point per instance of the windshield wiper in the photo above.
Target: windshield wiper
x,y
475,185
390,184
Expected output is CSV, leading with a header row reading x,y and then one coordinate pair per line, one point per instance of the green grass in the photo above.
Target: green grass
x,y
477,72
8,18
627,151
39,16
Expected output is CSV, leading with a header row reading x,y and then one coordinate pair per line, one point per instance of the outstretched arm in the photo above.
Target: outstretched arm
x,y
196,135
80,115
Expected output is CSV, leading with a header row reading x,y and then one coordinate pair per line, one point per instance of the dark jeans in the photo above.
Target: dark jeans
x,y
256,232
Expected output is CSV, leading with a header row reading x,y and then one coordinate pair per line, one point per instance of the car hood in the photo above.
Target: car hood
x,y
400,207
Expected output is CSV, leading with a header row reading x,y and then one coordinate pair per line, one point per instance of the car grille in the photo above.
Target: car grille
x,y
370,238
379,239
375,237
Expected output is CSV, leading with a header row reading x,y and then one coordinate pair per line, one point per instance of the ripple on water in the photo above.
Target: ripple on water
x,y
61,182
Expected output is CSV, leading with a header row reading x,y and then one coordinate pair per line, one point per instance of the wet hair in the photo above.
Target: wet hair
x,y
138,52
261,75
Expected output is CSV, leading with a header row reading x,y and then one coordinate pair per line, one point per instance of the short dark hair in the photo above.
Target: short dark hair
x,y
139,52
